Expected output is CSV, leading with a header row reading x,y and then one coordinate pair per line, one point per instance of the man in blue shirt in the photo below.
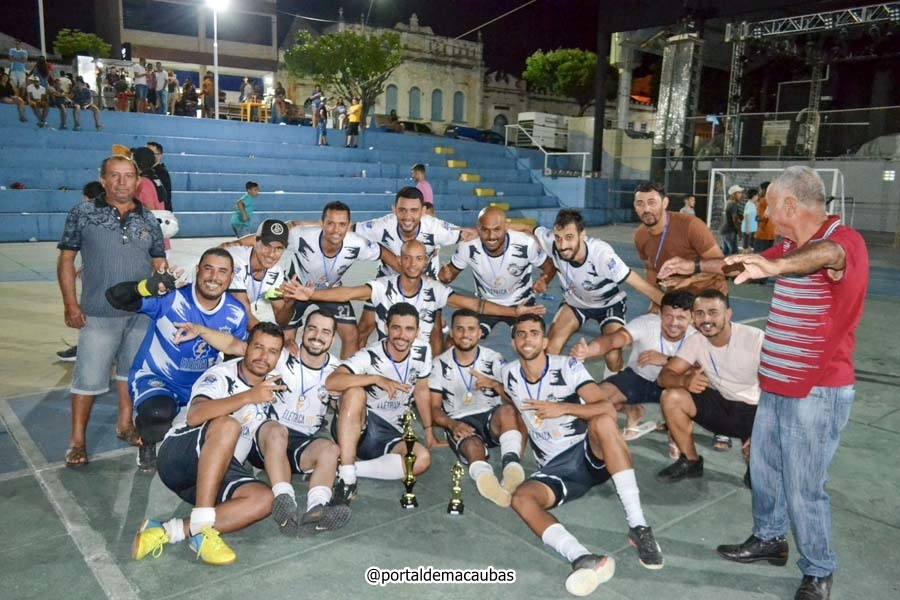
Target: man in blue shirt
x,y
164,370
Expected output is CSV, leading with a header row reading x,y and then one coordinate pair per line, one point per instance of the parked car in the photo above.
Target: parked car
x,y
416,128
470,133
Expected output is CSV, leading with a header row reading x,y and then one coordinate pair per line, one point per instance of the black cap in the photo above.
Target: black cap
x,y
273,230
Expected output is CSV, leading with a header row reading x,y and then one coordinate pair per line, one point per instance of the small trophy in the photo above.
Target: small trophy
x,y
456,506
408,500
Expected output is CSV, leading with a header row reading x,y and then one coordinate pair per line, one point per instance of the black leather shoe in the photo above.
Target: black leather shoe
x,y
814,588
754,549
680,469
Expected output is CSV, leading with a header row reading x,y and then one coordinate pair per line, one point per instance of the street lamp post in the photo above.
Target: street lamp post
x,y
216,6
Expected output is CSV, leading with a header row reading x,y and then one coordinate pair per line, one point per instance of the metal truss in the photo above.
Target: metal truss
x,y
825,21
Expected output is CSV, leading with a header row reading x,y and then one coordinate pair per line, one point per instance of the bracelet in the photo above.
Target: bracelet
x,y
697,268
481,307
429,427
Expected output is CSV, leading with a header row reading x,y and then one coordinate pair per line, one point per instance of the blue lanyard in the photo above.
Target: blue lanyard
x,y
662,240
253,293
540,381
333,261
394,364
712,360
662,351
471,381
304,389
415,302
490,261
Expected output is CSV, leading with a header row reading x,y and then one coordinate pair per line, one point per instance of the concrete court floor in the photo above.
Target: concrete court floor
x,y
69,531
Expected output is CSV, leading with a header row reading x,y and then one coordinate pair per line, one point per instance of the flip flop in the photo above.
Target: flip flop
x,y
638,431
129,435
76,456
721,443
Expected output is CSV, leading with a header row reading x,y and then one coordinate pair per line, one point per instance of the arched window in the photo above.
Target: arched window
x,y
390,98
500,123
437,105
414,102
459,104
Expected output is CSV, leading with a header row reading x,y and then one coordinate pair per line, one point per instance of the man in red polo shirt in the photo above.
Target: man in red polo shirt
x,y
806,373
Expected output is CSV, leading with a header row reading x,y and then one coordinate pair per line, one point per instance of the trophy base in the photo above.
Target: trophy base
x,y
409,502
456,510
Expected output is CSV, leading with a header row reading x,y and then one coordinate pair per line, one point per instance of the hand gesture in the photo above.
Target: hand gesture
x,y
460,431
536,309
545,410
676,266
583,351
467,233
290,344
652,357
294,290
264,392
482,381
186,332
393,387
755,267
540,285
160,283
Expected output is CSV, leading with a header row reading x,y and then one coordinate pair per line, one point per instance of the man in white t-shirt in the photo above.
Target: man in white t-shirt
x,y
654,340
257,275
140,85
712,381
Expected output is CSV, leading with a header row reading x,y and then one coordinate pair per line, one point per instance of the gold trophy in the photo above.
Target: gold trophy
x,y
408,500
456,506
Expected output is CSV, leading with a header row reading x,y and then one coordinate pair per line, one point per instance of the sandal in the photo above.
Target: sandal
x,y
76,456
129,435
638,431
721,443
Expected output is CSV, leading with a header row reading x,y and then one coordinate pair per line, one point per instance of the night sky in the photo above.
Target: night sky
x,y
546,24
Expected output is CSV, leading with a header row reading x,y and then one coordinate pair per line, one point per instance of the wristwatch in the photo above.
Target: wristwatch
x,y
697,268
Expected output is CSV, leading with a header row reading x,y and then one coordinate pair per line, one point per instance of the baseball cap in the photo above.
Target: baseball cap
x,y
273,230
735,189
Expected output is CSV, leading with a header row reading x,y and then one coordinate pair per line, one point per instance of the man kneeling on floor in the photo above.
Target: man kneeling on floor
x,y
577,445
201,457
292,438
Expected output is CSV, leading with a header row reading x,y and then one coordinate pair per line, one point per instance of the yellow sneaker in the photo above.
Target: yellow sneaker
x,y
150,539
211,549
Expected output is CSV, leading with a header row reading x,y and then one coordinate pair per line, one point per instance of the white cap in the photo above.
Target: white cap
x,y
735,189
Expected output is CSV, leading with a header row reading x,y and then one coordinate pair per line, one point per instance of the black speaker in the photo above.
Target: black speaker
x,y
125,51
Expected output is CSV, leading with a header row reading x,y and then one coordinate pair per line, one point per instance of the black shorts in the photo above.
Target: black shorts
x,y
378,437
571,474
481,423
722,416
489,322
342,311
297,443
635,388
614,314
178,458
352,128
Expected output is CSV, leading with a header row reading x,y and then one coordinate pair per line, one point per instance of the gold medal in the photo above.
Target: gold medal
x,y
498,282
468,398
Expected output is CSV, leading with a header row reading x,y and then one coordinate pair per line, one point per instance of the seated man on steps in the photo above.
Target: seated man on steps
x,y
201,457
291,440
467,400
712,381
377,385
163,371
654,339
577,445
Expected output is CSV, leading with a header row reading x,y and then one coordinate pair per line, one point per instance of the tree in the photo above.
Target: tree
x,y
568,72
350,63
72,42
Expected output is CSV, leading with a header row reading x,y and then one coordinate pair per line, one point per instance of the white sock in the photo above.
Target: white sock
x,y
630,496
175,530
563,542
283,487
201,518
347,473
511,441
318,496
388,466
479,467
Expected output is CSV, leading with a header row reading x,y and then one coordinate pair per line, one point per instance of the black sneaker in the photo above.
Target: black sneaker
x,y
323,518
681,469
588,572
284,512
70,354
342,493
146,458
649,552
775,551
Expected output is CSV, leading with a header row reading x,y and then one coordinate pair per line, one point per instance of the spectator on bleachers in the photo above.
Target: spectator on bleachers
x,y
315,100
37,99
140,86
108,95
339,114
160,170
9,95
189,99
151,89
393,124
121,85
418,175
354,116
321,130
246,90
279,110
207,88
83,99
243,210
162,90
17,58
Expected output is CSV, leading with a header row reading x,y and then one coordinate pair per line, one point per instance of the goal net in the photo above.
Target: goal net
x,y
722,179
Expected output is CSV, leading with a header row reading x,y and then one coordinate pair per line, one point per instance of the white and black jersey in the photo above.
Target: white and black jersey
x,y
223,381
374,360
433,233
646,334
431,297
302,406
243,280
593,283
310,264
455,383
559,382
504,279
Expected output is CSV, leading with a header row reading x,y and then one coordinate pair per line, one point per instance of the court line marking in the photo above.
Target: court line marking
x,y
89,542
